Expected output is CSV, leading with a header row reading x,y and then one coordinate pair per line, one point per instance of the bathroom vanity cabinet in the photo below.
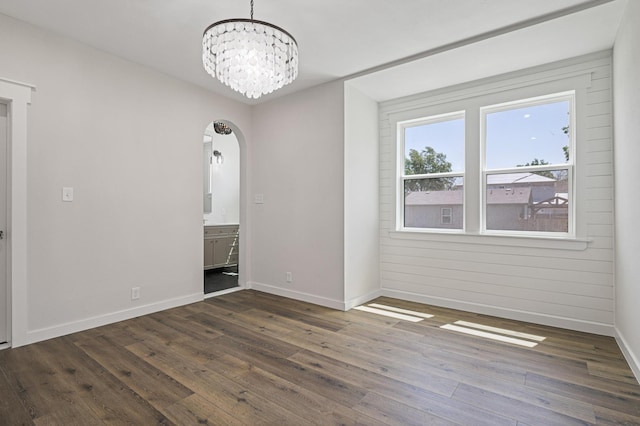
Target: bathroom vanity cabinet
x,y
220,246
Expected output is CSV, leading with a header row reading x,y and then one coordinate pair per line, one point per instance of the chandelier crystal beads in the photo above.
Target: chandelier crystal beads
x,y
251,57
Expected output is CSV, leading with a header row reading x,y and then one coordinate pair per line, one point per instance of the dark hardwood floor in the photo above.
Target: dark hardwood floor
x,y
250,358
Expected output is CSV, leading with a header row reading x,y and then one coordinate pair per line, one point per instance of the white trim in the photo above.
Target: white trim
x,y
17,83
5,308
532,317
38,335
297,295
513,240
632,359
18,96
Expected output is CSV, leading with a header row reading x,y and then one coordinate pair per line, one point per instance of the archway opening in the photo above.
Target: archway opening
x,y
221,212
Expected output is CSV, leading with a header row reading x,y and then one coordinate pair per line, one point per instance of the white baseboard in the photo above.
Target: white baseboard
x,y
297,295
632,359
350,304
533,317
38,335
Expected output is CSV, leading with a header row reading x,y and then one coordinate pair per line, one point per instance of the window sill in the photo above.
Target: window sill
x,y
559,243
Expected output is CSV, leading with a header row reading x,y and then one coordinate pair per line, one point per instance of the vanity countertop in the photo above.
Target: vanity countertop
x,y
220,224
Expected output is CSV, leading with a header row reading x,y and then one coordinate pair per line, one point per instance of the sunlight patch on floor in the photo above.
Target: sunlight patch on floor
x,y
491,336
390,314
402,311
501,331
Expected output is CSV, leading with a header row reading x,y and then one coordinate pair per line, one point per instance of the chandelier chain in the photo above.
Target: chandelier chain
x,y
252,10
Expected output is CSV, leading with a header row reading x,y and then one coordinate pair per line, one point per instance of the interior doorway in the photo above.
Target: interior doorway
x,y
4,276
221,216
17,96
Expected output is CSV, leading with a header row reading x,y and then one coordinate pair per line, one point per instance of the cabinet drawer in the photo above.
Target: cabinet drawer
x,y
210,231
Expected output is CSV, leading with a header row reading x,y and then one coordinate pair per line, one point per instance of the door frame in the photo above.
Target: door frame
x,y
243,252
17,96
5,310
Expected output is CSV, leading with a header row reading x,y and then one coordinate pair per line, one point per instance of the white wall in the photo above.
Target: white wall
x,y
626,66
225,182
129,140
568,285
361,203
297,163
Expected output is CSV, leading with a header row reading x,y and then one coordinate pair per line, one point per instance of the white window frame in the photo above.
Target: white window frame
x,y
470,101
569,96
401,127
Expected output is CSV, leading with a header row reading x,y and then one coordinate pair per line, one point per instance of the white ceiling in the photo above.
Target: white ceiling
x,y
341,38
587,31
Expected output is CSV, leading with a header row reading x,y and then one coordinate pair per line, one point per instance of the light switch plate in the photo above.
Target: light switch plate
x,y
258,198
67,193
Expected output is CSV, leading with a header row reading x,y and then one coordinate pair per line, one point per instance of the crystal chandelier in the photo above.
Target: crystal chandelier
x,y
251,57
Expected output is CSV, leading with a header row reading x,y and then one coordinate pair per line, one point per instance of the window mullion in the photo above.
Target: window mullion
x,y
472,184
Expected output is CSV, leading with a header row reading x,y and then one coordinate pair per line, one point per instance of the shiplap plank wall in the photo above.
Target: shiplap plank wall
x,y
570,288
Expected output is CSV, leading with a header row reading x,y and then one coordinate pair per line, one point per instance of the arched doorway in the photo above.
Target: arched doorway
x,y
221,212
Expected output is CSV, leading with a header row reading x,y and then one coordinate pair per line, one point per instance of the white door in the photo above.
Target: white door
x,y
4,300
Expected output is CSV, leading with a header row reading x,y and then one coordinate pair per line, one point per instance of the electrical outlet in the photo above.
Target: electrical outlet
x,y
135,293
289,277
67,193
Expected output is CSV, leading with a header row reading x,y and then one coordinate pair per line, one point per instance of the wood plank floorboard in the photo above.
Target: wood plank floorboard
x,y
251,358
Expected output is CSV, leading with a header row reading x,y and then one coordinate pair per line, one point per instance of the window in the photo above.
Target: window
x,y
519,169
433,171
445,215
527,165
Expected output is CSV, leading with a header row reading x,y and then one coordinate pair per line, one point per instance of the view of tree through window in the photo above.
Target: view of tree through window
x,y
427,161
434,172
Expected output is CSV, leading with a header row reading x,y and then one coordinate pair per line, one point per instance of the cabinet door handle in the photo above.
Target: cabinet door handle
x,y
1,235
